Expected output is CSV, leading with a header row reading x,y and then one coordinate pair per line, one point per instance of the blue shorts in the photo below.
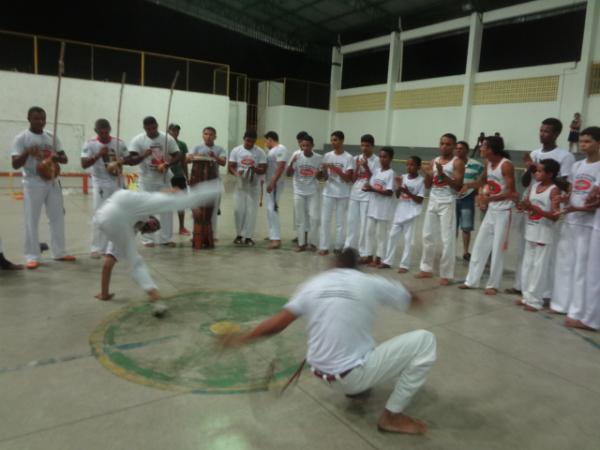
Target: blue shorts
x,y
465,212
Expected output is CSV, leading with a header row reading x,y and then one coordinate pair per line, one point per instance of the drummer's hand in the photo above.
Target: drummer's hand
x,y
103,151
212,154
270,188
189,158
147,153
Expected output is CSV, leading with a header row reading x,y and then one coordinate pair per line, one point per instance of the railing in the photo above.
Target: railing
x,y
22,52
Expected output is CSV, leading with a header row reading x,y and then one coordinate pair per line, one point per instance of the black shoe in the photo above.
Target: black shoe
x,y
249,242
467,257
295,240
238,240
43,247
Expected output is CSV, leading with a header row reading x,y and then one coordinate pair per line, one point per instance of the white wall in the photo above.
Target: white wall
x,y
237,123
355,124
287,121
83,101
423,127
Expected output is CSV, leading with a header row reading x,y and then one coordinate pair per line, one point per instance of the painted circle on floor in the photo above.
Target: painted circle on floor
x,y
179,351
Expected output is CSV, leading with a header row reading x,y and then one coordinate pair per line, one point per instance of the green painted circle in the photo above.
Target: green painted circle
x,y
180,352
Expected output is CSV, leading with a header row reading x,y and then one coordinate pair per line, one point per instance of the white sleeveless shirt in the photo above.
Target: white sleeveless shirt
x,y
496,185
440,190
540,229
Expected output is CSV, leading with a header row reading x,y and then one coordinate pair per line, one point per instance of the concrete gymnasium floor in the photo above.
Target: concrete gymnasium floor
x,y
504,378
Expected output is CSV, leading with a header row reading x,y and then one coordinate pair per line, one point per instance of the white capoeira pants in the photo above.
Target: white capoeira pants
x,y
536,264
165,234
589,313
273,199
246,204
568,294
405,229
307,214
440,219
406,358
357,227
340,206
491,238
377,237
50,196
100,195
519,223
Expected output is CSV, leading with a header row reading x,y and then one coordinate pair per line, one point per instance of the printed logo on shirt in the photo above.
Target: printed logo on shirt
x,y
247,162
157,156
439,181
533,215
307,172
582,185
493,187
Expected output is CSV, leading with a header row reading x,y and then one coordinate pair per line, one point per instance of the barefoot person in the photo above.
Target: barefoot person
x,y
410,192
497,198
339,306
105,156
339,166
31,149
542,203
127,212
364,166
570,270
305,167
445,178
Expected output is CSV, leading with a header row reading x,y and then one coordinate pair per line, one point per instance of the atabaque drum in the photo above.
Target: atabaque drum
x,y
203,169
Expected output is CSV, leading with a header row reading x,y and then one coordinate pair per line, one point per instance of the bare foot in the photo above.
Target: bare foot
x,y
274,245
520,302
424,275
153,295
383,266
464,286
365,260
530,308
573,323
373,264
444,282
490,291
400,423
553,311
402,270
324,252
300,248
104,297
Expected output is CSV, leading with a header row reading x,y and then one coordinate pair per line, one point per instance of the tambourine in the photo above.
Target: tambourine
x,y
48,169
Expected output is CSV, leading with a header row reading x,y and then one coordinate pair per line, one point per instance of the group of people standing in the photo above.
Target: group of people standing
x,y
373,206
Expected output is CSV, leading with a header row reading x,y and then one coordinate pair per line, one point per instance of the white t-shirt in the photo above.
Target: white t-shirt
x,y
203,149
583,177
561,156
407,208
335,186
149,173
245,158
276,155
381,207
25,140
357,193
339,306
100,175
305,173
